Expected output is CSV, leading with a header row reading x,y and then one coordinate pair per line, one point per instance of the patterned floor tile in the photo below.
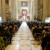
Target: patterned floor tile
x,y
23,40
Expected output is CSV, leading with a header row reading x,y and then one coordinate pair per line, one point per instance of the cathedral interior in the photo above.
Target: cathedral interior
x,y
24,24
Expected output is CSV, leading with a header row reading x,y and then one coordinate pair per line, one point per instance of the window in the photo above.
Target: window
x,y
0,19
24,4
47,20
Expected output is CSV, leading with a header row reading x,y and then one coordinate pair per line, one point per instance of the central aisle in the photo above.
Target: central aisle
x,y
23,40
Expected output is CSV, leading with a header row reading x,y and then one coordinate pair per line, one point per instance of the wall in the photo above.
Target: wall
x,y
3,10
45,9
49,7
0,7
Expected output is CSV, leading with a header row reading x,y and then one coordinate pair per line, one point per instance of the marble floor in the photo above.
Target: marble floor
x,y
23,40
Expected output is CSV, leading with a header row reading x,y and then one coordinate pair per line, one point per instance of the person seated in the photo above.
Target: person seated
x,y
40,29
43,33
13,28
10,29
9,35
0,30
32,28
35,30
2,42
45,41
5,30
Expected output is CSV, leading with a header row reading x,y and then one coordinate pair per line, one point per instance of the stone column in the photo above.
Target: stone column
x,y
45,9
17,9
32,16
49,7
0,7
36,8
3,10
33,9
13,9
30,10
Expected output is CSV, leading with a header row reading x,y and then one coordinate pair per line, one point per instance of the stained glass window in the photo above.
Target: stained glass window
x,y
24,3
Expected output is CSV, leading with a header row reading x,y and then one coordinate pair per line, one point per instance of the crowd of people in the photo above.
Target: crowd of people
x,y
7,30
41,32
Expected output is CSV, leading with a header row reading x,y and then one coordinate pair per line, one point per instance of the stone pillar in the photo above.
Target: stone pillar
x,y
17,2
49,7
30,10
0,7
36,8
45,9
3,10
33,10
13,9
